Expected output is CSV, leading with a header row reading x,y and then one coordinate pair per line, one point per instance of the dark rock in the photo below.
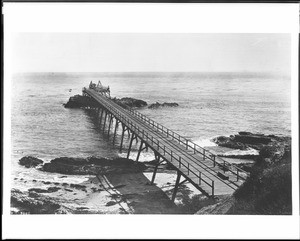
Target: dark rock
x,y
165,104
29,161
229,142
68,190
110,203
79,101
250,157
92,166
245,133
53,189
130,102
252,139
33,203
38,190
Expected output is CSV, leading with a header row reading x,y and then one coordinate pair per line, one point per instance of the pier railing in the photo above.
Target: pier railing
x,y
189,145
174,158
155,141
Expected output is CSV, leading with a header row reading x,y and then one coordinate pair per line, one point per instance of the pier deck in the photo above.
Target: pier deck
x,y
206,171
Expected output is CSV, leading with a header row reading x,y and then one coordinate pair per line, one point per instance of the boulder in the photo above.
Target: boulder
x,y
79,101
92,166
29,161
128,102
252,139
229,142
33,203
165,104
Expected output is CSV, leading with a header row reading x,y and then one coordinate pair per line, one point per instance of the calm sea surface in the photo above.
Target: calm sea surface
x,y
210,104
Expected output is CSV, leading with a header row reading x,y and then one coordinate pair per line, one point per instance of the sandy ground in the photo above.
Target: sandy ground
x,y
113,194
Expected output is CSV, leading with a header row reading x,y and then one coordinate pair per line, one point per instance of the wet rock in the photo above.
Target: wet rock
x,y
252,139
38,190
34,204
29,161
165,104
53,189
110,203
246,140
229,142
129,102
92,166
79,101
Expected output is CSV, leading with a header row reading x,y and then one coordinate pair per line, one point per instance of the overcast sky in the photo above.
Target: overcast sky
x,y
95,52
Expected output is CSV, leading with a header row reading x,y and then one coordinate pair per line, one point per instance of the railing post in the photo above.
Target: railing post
x,y
188,168
213,188
171,155
224,166
158,145
179,161
194,148
187,144
237,174
199,178
214,160
203,154
164,149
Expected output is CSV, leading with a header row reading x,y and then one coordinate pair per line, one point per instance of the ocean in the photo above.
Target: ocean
x,y
210,105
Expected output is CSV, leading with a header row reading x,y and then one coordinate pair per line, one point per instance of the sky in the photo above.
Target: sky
x,y
139,52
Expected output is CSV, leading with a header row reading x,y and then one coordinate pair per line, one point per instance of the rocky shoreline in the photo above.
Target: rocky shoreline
x,y
120,185
79,101
268,189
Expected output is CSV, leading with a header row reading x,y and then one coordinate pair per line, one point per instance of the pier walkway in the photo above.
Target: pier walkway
x,y
206,171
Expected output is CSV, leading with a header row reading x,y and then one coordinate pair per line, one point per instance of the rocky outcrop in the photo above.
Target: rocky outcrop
x,y
165,104
246,140
92,165
129,102
34,203
221,207
29,161
79,101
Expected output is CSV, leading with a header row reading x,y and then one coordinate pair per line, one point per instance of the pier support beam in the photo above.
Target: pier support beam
x,y
157,158
176,186
141,149
133,136
110,120
116,126
104,122
122,138
101,117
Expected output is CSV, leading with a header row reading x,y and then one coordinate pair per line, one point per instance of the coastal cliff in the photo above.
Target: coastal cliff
x,y
268,189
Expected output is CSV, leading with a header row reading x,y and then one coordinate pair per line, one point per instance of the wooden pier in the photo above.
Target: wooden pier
x,y
207,172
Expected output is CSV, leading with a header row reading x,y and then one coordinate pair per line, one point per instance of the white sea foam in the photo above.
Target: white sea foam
x,y
204,142
144,156
249,151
